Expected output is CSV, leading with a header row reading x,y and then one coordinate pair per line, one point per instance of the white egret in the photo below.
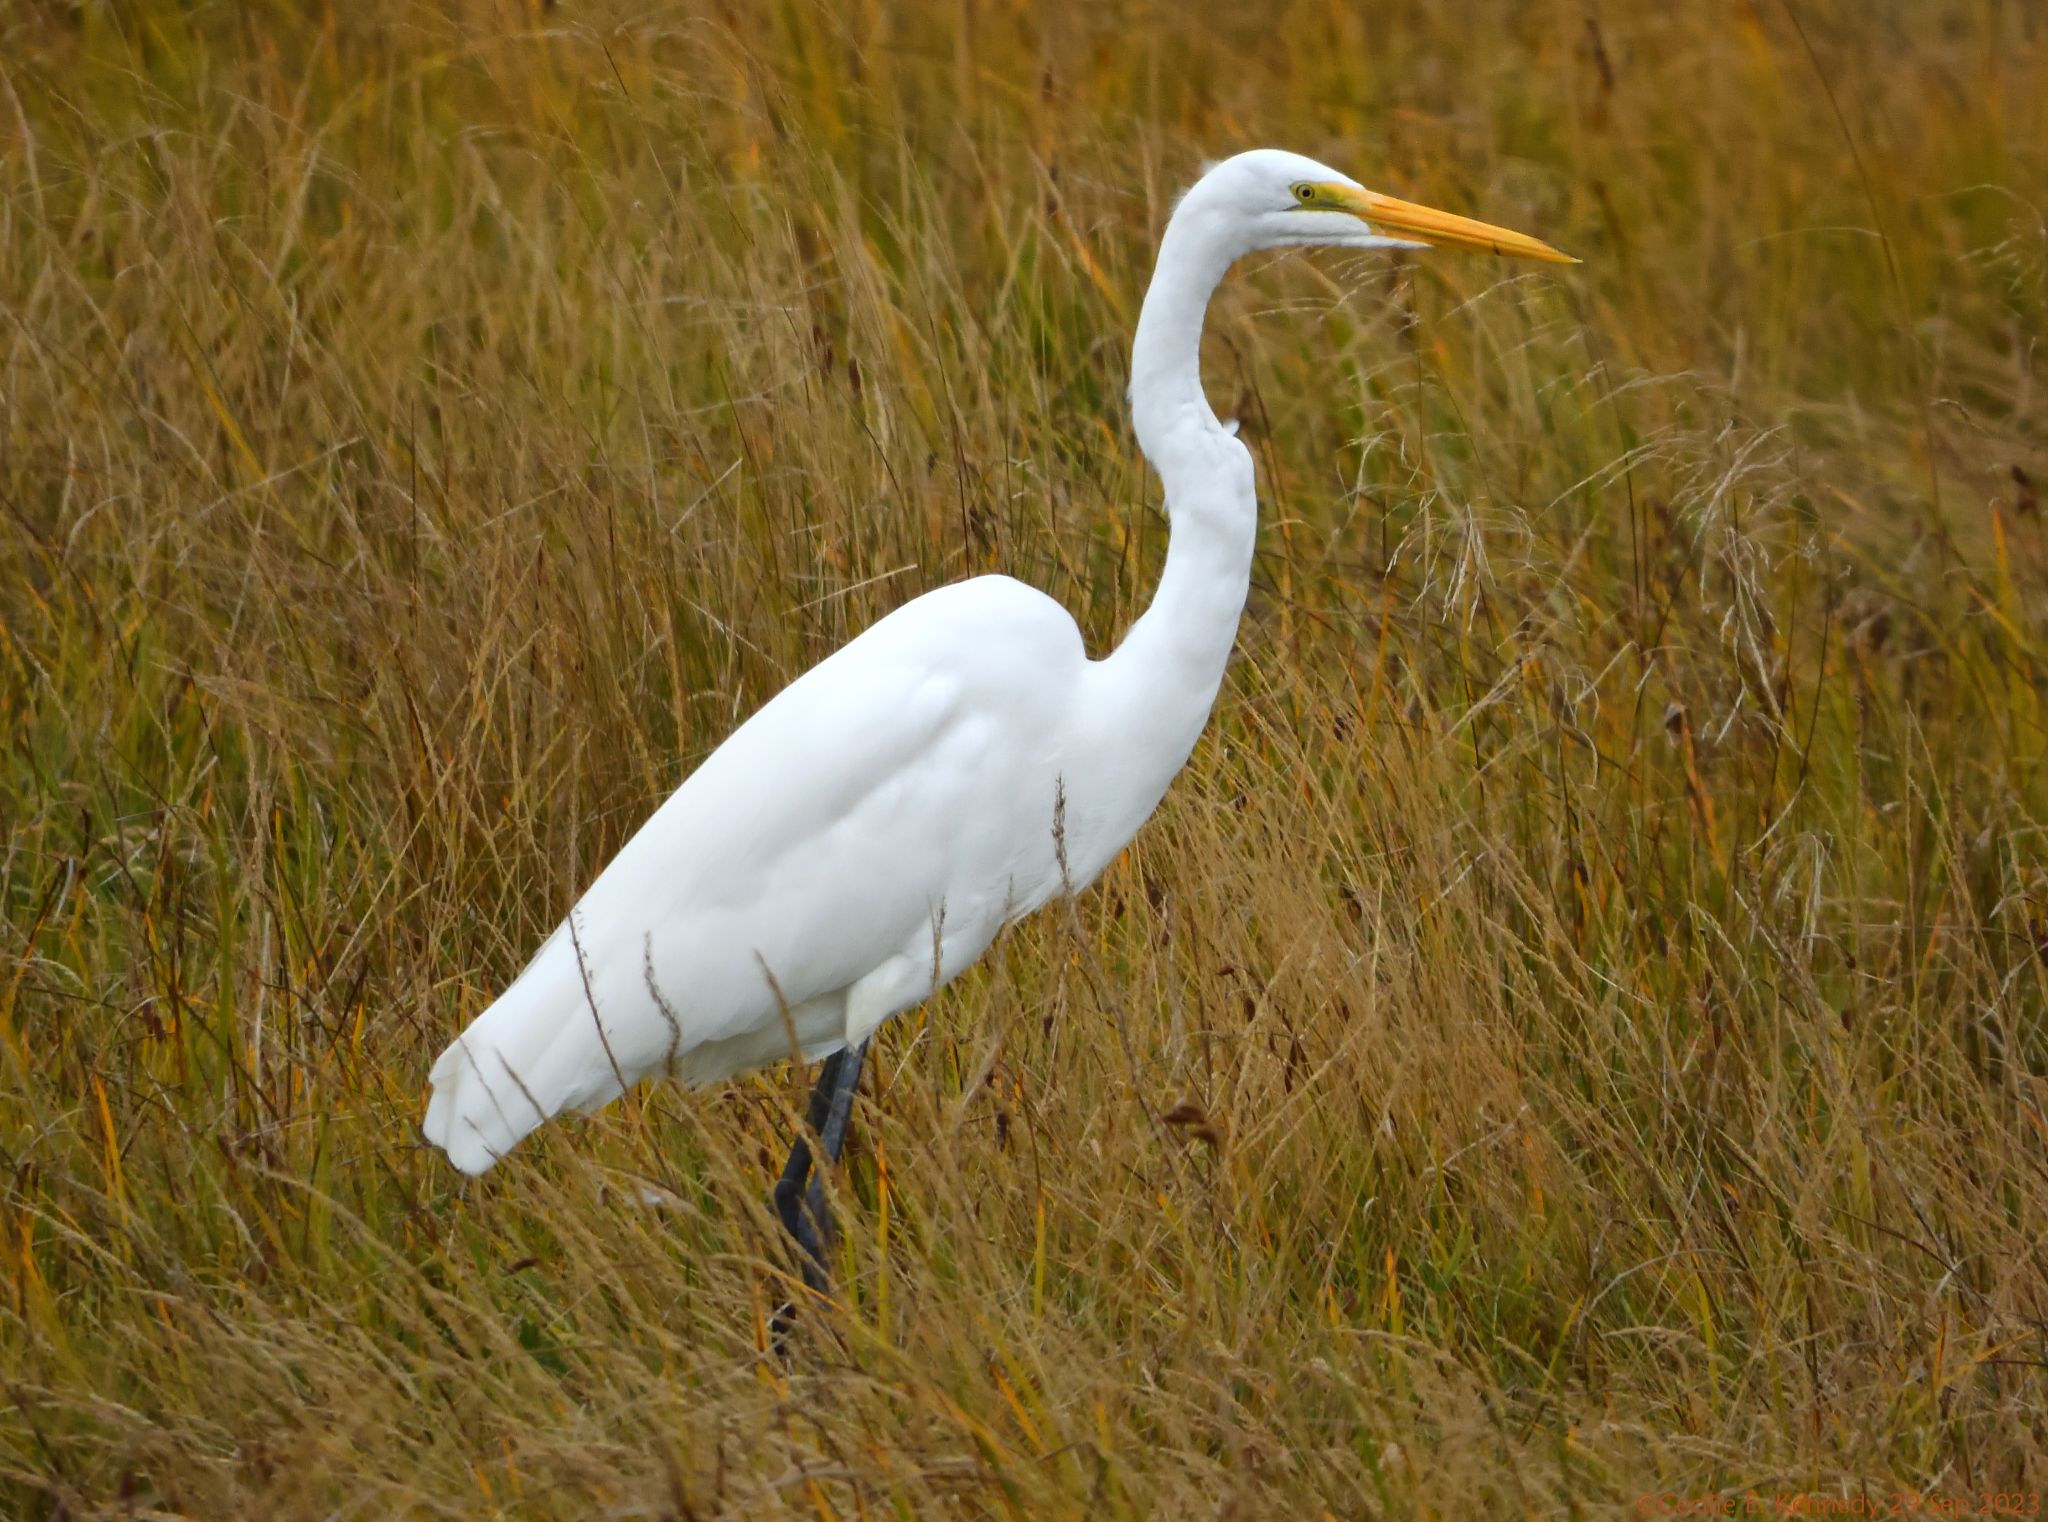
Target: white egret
x,y
861,839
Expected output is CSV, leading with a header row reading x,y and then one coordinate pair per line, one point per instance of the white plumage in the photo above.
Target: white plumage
x,y
863,837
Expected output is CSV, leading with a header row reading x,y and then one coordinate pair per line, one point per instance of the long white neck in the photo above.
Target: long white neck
x,y
1154,691
1176,651
1167,400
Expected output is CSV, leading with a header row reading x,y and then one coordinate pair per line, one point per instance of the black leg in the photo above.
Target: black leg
x,y
804,1213
789,1189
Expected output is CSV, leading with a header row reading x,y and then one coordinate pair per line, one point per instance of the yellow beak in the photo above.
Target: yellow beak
x,y
1442,228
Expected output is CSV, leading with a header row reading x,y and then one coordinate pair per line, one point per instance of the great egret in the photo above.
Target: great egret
x,y
860,840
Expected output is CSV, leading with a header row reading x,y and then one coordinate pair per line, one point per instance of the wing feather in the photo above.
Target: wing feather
x,y
813,846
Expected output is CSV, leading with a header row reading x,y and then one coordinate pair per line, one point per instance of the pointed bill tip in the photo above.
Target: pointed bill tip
x,y
1443,229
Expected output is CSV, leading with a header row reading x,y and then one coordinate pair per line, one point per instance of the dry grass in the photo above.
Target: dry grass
x,y
1599,942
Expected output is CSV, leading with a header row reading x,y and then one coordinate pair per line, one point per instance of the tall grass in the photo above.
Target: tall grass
x,y
1575,1031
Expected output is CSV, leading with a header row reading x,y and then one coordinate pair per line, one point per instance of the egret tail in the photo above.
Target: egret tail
x,y
537,1052
520,1062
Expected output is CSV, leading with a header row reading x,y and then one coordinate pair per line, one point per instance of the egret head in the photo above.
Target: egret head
x,y
1270,199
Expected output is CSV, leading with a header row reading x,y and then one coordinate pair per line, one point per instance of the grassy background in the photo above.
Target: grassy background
x,y
1576,1030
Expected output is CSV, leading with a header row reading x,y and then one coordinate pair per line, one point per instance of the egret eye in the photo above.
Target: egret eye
x,y
1305,194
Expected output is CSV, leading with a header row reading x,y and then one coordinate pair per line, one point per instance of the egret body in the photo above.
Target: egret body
x,y
863,837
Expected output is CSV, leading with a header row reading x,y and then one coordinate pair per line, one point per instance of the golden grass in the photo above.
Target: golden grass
x,y
1593,964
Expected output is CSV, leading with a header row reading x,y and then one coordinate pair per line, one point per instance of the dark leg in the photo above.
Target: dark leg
x,y
804,1213
789,1189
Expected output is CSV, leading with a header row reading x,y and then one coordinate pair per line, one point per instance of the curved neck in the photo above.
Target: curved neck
x,y
1167,402
1167,670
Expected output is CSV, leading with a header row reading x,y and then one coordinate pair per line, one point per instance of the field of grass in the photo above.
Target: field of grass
x,y
1577,1032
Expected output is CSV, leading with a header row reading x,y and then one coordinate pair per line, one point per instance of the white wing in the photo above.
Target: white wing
x,y
877,821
